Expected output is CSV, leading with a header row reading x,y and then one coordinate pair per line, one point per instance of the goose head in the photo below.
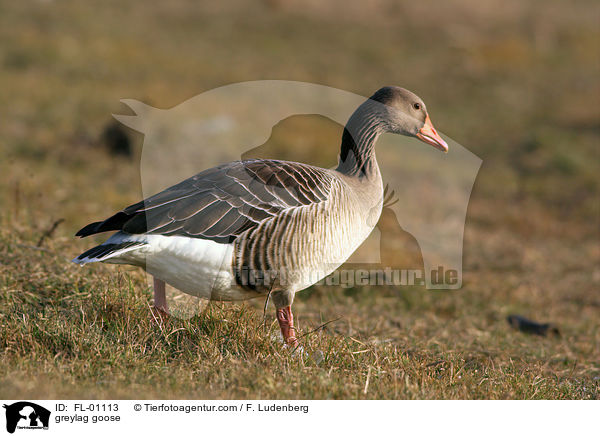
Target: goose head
x,y
402,112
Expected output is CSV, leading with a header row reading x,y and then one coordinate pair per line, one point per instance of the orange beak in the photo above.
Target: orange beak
x,y
429,135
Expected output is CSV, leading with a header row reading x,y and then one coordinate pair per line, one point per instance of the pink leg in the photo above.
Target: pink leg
x,y
160,296
286,324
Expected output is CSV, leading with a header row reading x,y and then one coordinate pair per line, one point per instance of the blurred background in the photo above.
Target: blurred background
x,y
516,82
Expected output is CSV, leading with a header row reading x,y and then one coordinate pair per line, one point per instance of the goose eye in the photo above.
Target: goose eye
x,y
417,106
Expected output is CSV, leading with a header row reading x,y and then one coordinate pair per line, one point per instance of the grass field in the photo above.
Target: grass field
x,y
515,82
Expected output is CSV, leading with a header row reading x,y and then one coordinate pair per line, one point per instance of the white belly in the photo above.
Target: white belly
x,y
195,266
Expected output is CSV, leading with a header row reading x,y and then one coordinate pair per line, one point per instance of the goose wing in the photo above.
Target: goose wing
x,y
222,202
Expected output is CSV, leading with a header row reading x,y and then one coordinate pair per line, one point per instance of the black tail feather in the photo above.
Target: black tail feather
x,y
115,222
103,251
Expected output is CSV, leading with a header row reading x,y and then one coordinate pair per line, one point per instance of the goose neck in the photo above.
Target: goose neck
x,y
357,153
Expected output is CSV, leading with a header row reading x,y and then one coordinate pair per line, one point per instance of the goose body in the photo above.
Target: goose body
x,y
302,240
250,228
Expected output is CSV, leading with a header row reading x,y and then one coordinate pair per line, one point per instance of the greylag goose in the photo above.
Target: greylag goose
x,y
264,227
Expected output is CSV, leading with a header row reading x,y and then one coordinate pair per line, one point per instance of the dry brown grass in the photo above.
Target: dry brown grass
x,y
516,83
